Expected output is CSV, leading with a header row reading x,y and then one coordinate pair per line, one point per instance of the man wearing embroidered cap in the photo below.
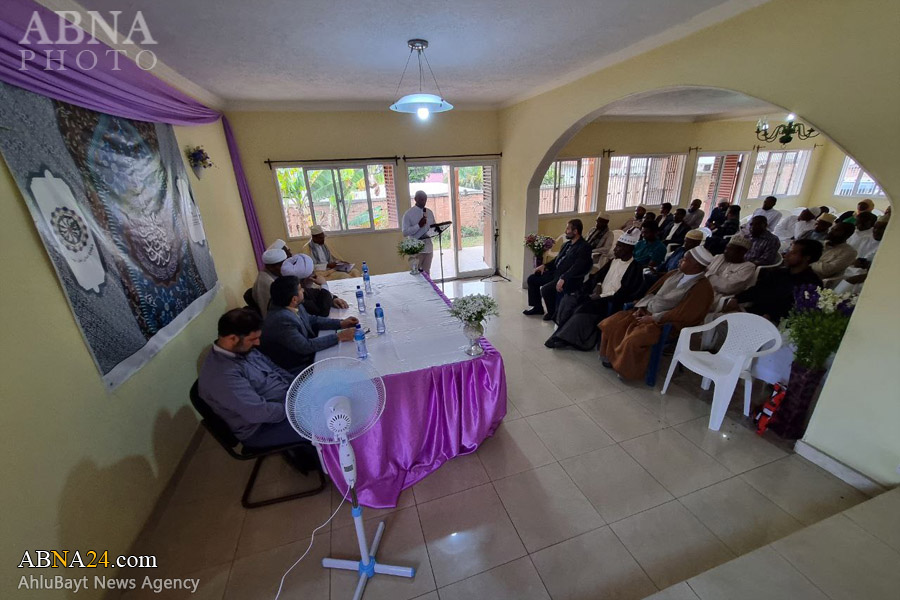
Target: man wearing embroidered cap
x,y
729,273
618,282
680,298
820,229
328,264
867,205
600,239
272,258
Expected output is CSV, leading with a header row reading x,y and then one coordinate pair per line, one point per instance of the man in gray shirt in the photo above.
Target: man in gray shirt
x,y
243,386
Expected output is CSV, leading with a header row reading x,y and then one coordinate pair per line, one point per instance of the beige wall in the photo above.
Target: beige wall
x,y
313,136
824,179
819,70
83,467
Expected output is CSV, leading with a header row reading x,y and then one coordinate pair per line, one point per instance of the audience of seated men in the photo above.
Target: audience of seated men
x,y
730,273
856,275
272,259
328,265
649,251
695,214
604,293
838,254
680,298
730,226
718,215
820,229
676,229
562,275
245,388
792,227
863,239
636,221
764,245
290,335
652,274
772,296
866,205
768,211
665,215
317,300
600,239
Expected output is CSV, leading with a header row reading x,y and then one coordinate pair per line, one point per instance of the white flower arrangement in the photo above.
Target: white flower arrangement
x,y
410,246
829,300
474,308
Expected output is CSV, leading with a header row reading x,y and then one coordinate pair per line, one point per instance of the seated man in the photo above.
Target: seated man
x,y
863,239
604,293
272,258
636,221
730,273
764,245
681,298
649,251
562,275
600,238
665,215
866,205
772,297
730,226
317,300
694,216
768,211
718,215
820,228
676,229
244,387
289,332
652,274
328,265
838,254
856,275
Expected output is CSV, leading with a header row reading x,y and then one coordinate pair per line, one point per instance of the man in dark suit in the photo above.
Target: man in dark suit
x,y
289,333
563,275
676,230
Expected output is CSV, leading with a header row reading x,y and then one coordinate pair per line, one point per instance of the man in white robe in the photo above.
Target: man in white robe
x,y
416,223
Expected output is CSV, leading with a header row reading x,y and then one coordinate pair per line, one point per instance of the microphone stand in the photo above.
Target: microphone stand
x,y
440,228
496,272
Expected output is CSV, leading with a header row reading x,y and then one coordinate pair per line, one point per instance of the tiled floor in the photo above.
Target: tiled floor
x,y
591,488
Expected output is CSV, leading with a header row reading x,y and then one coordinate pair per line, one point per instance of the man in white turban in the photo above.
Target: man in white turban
x,y
317,300
272,258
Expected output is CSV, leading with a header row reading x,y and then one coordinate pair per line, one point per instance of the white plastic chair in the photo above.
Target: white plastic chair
x,y
747,336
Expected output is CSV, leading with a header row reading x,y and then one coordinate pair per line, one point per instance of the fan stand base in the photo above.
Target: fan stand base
x,y
370,567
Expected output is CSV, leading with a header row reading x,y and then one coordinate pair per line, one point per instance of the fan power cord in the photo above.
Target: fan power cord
x,y
308,548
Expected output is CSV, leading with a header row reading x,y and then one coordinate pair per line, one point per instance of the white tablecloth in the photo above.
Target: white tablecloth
x,y
420,331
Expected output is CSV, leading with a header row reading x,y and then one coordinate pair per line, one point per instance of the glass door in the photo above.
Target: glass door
x,y
462,193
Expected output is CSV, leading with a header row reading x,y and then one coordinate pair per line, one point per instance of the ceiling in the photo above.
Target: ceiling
x,y
688,104
345,52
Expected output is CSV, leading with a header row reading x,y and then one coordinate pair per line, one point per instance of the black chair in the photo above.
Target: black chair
x,y
221,432
251,303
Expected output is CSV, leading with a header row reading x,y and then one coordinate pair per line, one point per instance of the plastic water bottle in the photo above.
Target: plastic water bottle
x,y
366,281
360,338
379,319
360,300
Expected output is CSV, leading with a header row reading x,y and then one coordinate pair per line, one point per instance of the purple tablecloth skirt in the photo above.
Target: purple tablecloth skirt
x,y
431,415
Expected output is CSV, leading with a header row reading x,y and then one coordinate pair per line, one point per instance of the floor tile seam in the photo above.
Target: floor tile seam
x,y
427,552
627,439
774,501
589,418
634,458
631,554
673,428
796,567
736,553
467,577
509,517
541,579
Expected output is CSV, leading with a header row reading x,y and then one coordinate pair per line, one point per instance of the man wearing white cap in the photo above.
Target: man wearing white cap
x,y
416,223
618,282
316,300
820,229
279,244
328,264
680,298
272,260
600,239
729,273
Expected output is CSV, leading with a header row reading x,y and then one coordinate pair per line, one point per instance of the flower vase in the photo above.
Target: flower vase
x,y
413,264
474,332
198,171
803,387
538,260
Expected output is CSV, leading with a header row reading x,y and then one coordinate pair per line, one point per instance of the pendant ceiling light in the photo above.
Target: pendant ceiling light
x,y
785,132
421,104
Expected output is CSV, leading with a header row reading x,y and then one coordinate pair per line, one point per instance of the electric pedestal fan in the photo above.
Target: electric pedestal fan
x,y
332,402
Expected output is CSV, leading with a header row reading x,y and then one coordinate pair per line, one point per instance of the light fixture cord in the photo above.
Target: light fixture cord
x,y
404,73
440,93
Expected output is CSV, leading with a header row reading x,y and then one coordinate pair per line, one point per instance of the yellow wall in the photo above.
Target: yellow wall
x,y
313,136
824,180
842,83
83,467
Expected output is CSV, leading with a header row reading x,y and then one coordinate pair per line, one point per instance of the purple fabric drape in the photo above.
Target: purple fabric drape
x,y
431,416
114,85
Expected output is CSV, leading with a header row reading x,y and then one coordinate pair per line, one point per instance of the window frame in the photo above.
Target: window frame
x,y
334,166
855,193
626,208
592,199
805,152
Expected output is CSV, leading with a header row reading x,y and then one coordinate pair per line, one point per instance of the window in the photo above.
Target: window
x,y
856,182
647,180
345,198
716,178
569,187
778,173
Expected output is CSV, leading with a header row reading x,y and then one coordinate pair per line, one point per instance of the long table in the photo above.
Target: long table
x,y
441,403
